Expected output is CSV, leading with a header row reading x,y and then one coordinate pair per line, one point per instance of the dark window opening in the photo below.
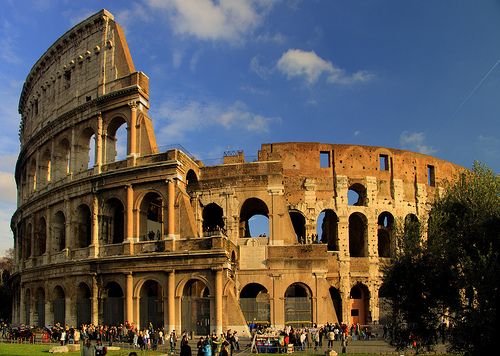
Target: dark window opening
x,y
354,312
356,195
88,98
384,162
431,176
324,159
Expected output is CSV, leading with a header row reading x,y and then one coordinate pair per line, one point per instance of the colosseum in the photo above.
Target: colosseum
x,y
158,236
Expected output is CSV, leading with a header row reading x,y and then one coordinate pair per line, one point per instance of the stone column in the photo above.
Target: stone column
x,y
171,302
276,303
67,226
49,310
48,237
98,145
22,308
129,242
132,146
94,305
218,301
171,208
129,302
94,247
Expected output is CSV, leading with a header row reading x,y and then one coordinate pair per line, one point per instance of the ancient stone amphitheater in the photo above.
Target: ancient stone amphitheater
x,y
158,236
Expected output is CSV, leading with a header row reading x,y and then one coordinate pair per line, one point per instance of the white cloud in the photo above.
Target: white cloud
x,y
276,38
259,69
178,118
227,20
177,56
415,141
298,63
8,188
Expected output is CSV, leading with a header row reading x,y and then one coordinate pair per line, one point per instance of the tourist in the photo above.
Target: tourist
x,y
87,349
185,348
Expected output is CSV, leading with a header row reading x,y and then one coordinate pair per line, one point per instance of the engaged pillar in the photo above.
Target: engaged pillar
x,y
171,301
129,316
218,302
171,208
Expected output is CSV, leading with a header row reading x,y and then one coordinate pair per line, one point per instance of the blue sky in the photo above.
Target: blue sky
x,y
232,74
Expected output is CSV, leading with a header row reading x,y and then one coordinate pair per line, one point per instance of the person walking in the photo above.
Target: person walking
x,y
343,343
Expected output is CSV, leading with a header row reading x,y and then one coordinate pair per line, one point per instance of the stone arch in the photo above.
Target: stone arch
x,y
360,304
151,304
40,307
27,241
328,229
195,307
41,238
84,150
113,221
83,304
356,195
179,289
27,307
298,305
299,224
32,175
151,216
116,132
337,302
62,159
358,242
191,180
255,303
385,224
59,305
83,226
44,167
251,208
112,299
59,232
213,220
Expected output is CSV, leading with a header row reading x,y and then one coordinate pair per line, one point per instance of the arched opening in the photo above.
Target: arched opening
x,y
384,234
40,307
213,221
112,300
298,305
41,238
27,307
384,306
196,307
191,181
84,150
116,141
412,225
32,175
151,305
45,167
61,167
113,222
83,227
59,306
254,218
360,298
299,225
337,303
27,241
327,229
255,305
151,217
83,304
358,246
59,232
356,195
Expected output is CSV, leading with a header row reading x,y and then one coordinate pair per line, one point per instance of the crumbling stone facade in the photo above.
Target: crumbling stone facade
x,y
160,237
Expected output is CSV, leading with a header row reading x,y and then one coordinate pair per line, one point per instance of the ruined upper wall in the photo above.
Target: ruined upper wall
x,y
90,60
303,159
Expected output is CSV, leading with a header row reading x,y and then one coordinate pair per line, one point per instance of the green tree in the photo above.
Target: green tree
x,y
455,274
6,262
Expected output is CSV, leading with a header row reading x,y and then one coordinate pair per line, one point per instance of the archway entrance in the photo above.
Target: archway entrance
x,y
327,229
360,297
337,303
40,307
254,302
59,306
83,305
298,306
113,304
196,307
151,305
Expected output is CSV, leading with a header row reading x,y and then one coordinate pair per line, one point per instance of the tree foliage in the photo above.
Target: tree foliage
x,y
454,275
6,264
